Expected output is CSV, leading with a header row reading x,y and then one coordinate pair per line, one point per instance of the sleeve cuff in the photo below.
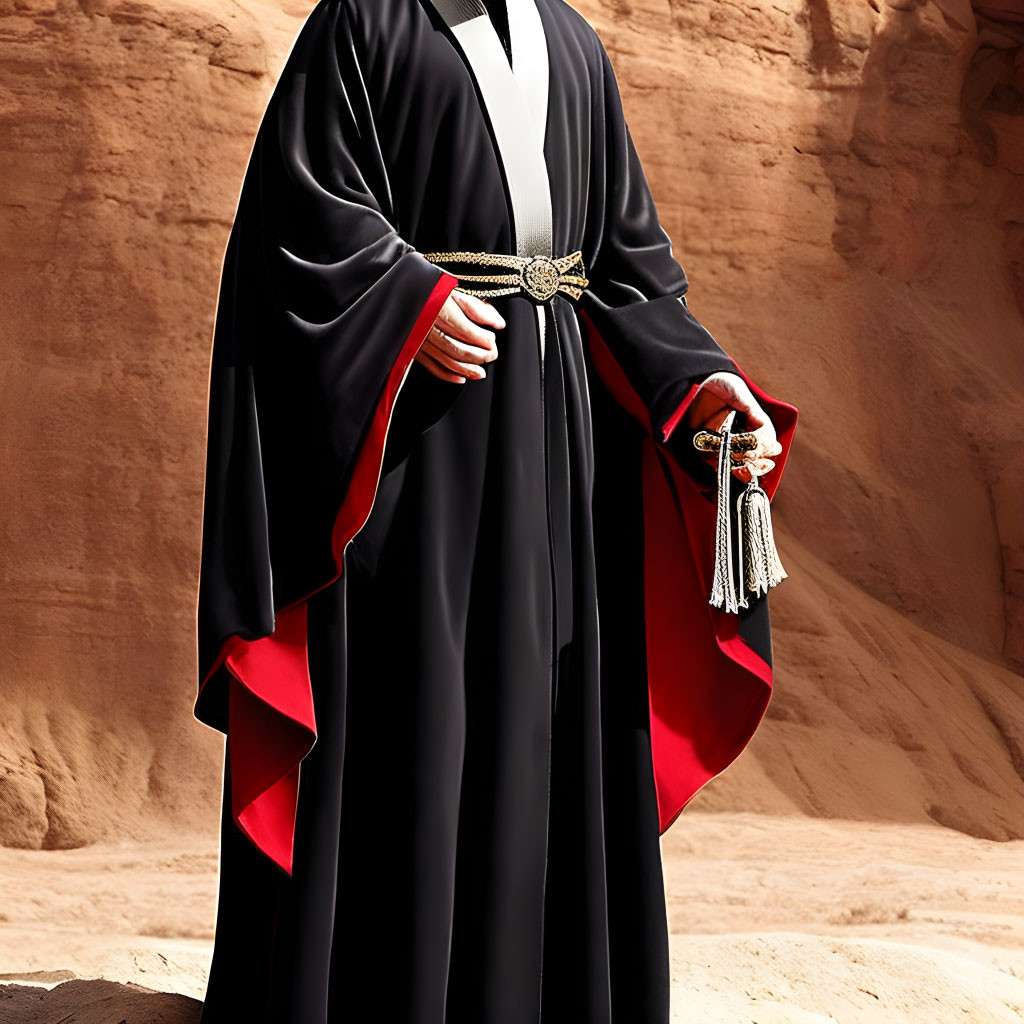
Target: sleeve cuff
x,y
677,438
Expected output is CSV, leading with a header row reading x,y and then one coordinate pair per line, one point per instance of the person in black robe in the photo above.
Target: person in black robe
x,y
454,626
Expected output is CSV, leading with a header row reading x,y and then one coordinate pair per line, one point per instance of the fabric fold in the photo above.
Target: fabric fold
x,y
270,715
709,673
322,308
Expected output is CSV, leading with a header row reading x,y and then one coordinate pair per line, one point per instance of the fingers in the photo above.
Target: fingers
x,y
459,349
757,421
753,460
475,343
456,345
757,460
732,390
753,467
461,359
431,364
478,310
767,442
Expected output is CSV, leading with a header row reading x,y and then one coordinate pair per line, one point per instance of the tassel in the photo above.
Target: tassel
x,y
764,568
758,566
723,586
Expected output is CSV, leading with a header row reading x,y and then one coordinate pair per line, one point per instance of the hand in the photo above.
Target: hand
x,y
718,395
456,347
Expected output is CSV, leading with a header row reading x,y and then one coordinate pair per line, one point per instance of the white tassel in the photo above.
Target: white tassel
x,y
723,586
764,568
758,566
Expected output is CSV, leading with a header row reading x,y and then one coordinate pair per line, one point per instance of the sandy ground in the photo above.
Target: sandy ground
x,y
775,920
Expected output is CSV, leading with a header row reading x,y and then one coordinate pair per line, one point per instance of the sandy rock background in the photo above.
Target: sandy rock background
x,y
844,183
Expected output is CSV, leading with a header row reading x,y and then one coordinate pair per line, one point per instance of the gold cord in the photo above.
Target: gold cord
x,y
541,277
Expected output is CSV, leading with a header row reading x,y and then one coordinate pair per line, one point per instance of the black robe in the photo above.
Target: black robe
x,y
457,636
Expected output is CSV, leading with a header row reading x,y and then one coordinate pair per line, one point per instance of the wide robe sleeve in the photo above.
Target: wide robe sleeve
x,y
322,307
709,672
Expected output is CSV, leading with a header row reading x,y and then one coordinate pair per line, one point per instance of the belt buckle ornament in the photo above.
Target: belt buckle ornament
x,y
540,278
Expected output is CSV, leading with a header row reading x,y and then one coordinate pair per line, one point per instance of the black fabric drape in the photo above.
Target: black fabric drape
x,y
476,830
497,10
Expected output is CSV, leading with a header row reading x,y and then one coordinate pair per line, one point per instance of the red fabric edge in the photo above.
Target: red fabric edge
x,y
271,720
708,690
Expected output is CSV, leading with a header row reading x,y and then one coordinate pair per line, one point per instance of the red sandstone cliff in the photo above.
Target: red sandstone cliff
x,y
843,184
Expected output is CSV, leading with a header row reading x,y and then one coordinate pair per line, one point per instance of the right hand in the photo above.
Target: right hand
x,y
722,393
456,347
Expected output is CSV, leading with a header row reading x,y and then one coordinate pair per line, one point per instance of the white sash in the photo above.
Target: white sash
x,y
515,100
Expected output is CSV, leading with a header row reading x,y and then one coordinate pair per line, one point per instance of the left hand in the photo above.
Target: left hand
x,y
718,395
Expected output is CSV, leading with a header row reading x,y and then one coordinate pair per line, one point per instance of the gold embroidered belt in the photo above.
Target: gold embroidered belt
x,y
540,277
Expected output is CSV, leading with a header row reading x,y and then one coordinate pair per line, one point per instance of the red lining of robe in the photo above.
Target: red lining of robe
x,y
271,720
708,689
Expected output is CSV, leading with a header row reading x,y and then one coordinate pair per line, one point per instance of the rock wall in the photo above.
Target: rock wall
x,y
125,131
842,181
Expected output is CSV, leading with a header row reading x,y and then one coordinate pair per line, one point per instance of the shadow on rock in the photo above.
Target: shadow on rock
x,y
94,1002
